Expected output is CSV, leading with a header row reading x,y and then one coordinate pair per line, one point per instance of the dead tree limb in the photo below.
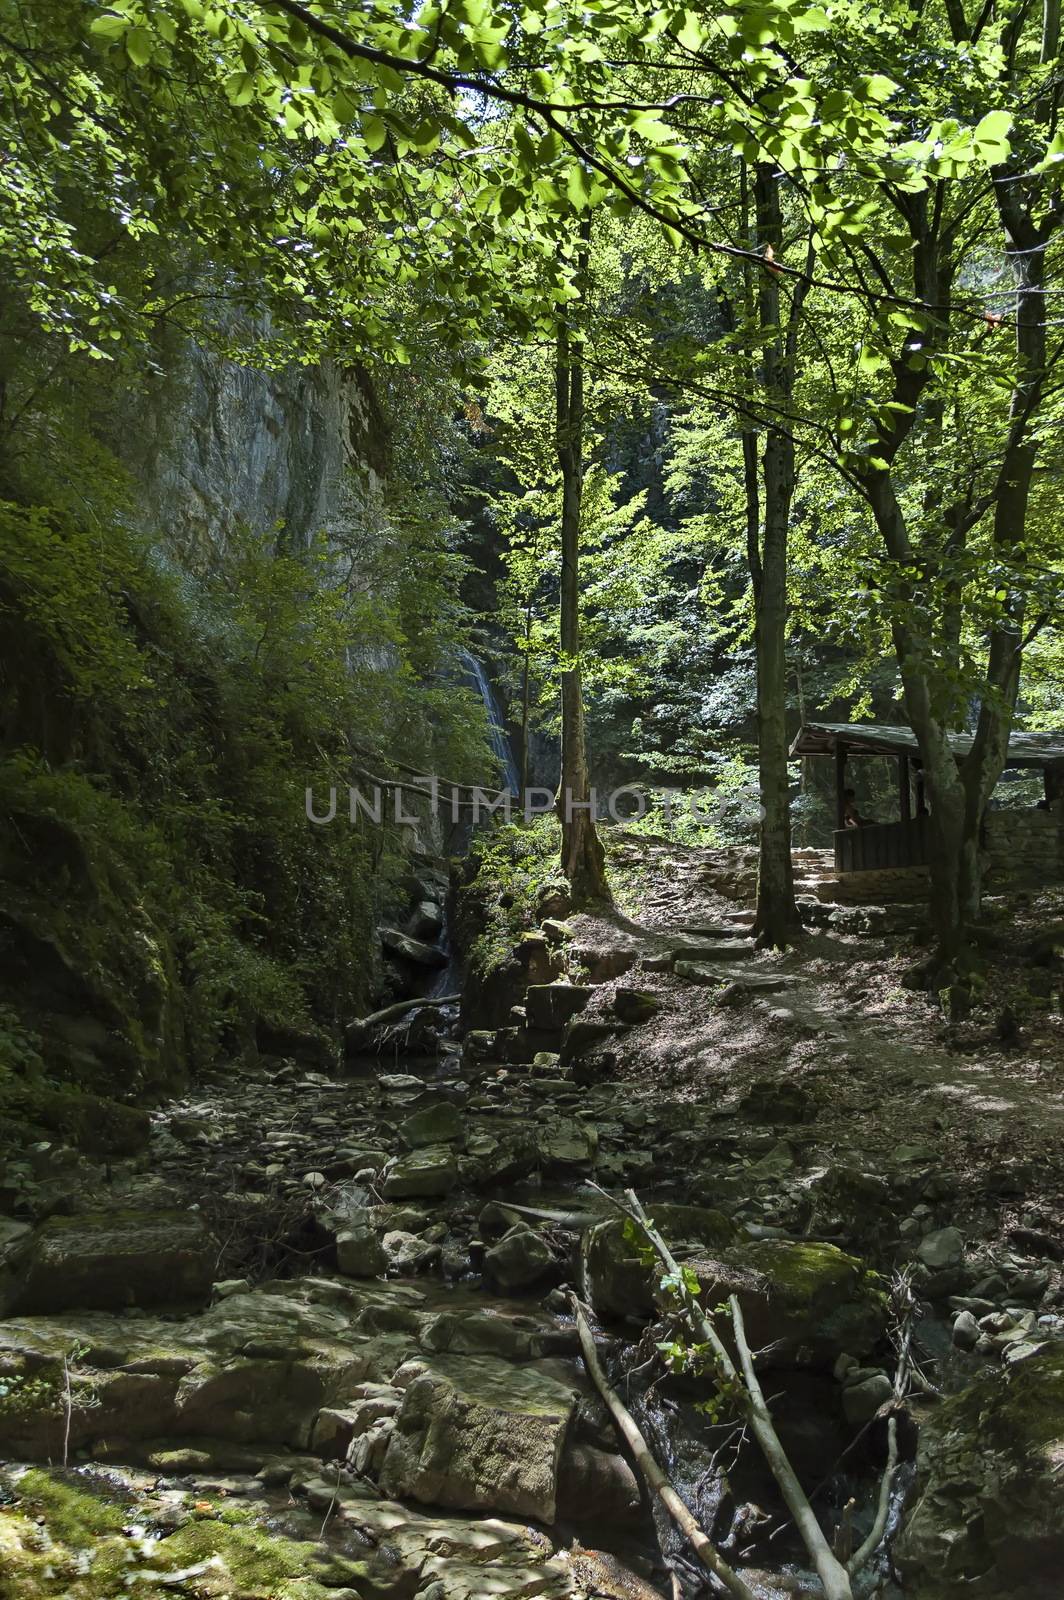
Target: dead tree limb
x,y
868,1548
831,1572
363,1025
655,1478
833,1575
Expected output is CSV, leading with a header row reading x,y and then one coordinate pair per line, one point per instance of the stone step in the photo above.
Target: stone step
x,y
720,950
703,972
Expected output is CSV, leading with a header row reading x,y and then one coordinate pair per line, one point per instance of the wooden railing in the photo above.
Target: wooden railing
x,y
883,844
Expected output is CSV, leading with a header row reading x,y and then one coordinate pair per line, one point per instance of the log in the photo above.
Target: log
x,y
655,1478
364,1025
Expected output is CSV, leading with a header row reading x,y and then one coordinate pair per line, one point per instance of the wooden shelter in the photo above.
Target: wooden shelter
x,y
907,842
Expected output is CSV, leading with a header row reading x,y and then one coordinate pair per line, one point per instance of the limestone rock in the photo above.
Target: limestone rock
x,y
520,1258
413,950
551,1005
441,1123
104,1260
803,1303
988,1520
479,1435
359,1252
635,1005
943,1248
429,1173
861,1401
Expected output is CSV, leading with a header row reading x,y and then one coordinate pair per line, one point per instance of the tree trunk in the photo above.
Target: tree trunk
x,y
777,914
583,858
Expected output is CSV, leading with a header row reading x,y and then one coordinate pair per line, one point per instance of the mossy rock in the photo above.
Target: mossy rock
x,y
59,1517
988,1519
621,1280
94,1123
802,1303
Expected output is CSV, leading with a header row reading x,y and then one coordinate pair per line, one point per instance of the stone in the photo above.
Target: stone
x,y
943,1248
412,950
520,1258
635,1005
406,1252
476,1434
988,1514
861,1401
551,1005
426,1173
360,1253
441,1123
553,901
965,1331
719,950
580,1037
565,1142
105,1260
804,1303
778,1100
555,931
397,1085
601,1483
426,920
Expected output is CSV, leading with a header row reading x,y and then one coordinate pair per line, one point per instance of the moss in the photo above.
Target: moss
x,y
62,1539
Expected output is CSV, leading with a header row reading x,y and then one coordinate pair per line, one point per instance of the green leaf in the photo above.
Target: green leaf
x,y
374,132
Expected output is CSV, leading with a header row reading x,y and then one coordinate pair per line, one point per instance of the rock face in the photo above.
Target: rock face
x,y
468,1440
989,1514
105,1260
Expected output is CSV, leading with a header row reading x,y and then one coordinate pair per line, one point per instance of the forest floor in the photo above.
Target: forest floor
x,y
883,1068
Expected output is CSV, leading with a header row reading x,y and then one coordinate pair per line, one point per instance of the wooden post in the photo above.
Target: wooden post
x,y
921,792
840,785
904,792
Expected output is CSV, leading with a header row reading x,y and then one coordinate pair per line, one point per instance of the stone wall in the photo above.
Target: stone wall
x,y
1025,848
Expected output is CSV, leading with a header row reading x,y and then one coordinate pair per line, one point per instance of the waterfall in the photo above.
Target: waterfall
x,y
500,742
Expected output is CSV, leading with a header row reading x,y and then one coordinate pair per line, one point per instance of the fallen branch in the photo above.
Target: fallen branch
x,y
833,1575
367,1024
867,1550
655,1478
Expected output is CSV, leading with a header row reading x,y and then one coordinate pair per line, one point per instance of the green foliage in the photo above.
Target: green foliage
x,y
507,868
167,728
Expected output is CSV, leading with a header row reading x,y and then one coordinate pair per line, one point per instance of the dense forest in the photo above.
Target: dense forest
x,y
532,800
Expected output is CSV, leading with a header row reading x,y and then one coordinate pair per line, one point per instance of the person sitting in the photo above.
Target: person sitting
x,y
851,817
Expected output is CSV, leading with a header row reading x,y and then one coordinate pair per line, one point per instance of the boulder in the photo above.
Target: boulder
x,y
551,1005
104,1260
566,1142
426,1173
413,950
943,1248
426,920
619,1282
988,1518
360,1253
441,1123
802,1303
475,1434
635,1005
520,1258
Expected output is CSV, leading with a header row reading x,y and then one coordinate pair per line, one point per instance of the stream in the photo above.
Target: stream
x,y
358,1264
